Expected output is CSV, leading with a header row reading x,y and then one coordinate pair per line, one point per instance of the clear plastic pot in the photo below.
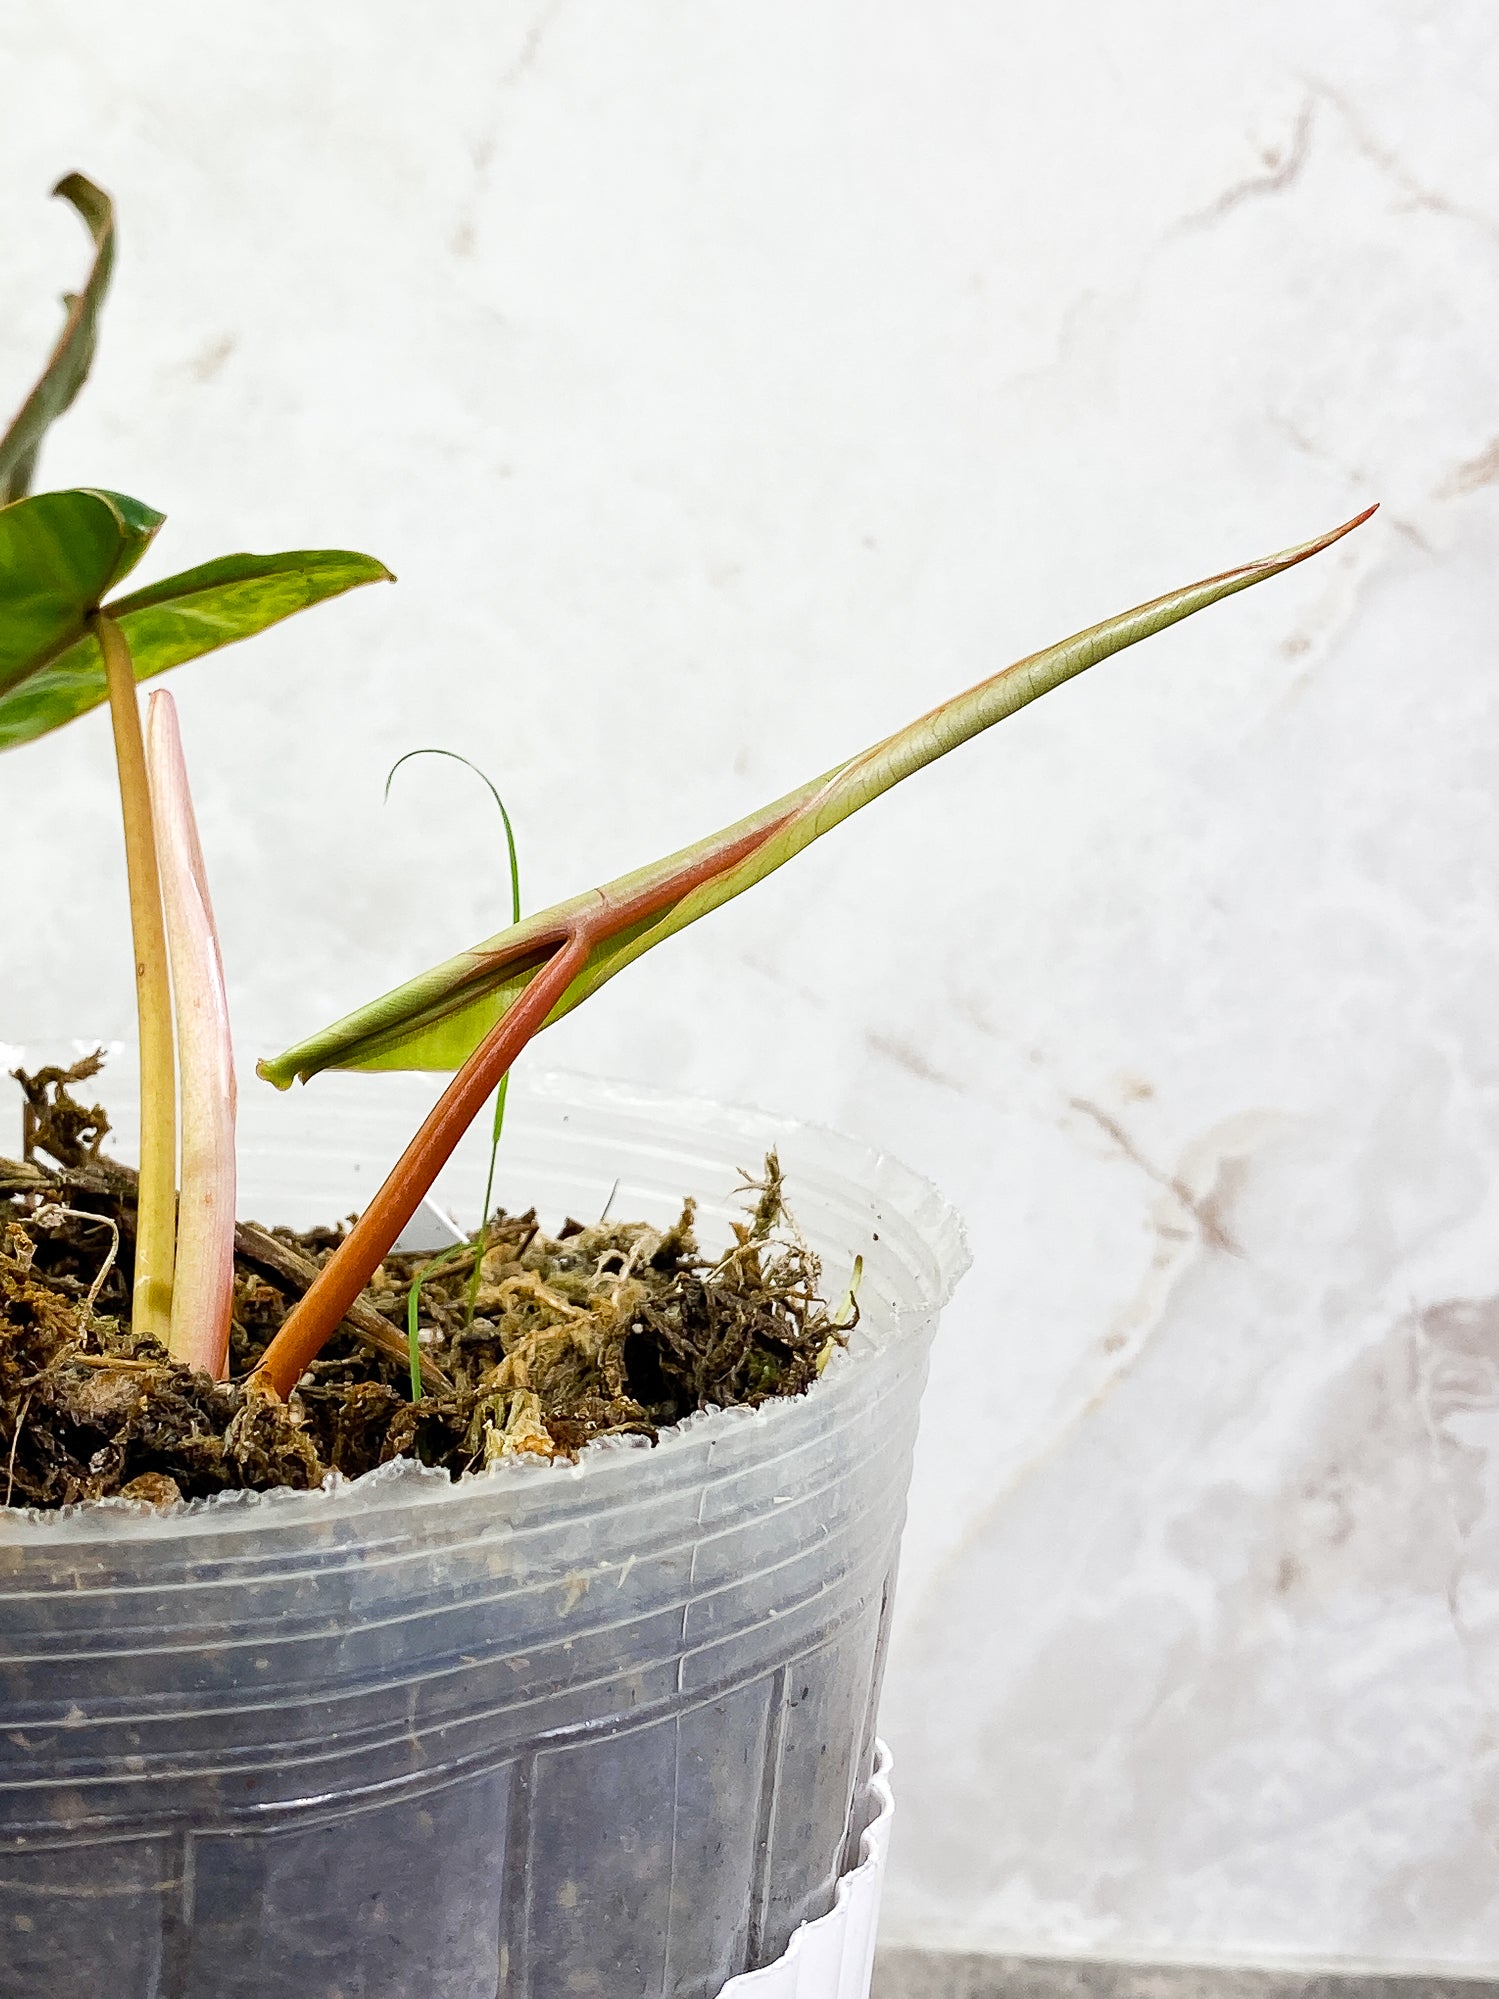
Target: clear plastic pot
x,y
551,1730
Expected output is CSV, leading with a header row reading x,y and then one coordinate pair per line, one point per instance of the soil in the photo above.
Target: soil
x,y
529,1343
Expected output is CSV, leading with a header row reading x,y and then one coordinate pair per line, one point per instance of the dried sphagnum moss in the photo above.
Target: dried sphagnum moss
x,y
612,1329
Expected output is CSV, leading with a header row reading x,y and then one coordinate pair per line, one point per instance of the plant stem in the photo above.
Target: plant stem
x,y
203,1292
313,1320
156,1210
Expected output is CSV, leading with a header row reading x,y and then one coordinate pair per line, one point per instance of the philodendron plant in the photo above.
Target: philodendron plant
x,y
476,1012
65,647
68,644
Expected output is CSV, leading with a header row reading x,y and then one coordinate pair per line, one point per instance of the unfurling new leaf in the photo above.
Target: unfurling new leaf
x,y
436,1021
478,1011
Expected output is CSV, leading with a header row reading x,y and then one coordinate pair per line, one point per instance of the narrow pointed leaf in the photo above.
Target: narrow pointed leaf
x,y
175,620
437,1020
67,369
60,553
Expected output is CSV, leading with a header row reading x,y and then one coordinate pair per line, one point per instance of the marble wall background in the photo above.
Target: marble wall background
x,y
726,383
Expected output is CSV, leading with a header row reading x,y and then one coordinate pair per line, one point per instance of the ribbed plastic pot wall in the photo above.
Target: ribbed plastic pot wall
x,y
546,1731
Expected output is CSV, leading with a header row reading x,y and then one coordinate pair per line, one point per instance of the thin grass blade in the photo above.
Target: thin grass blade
x,y
497,1123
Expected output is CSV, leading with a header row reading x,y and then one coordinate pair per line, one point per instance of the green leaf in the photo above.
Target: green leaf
x,y
175,620
59,554
437,1020
72,357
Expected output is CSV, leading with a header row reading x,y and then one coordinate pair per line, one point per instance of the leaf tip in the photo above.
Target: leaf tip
x,y
90,200
270,1071
1352,524
366,568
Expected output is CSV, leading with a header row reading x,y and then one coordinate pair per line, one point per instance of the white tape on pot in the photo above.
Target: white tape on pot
x,y
833,1958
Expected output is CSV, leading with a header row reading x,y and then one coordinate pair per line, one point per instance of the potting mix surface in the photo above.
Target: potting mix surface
x,y
529,1343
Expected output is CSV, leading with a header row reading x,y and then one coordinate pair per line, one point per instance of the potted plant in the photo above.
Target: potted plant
x,y
559,1696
